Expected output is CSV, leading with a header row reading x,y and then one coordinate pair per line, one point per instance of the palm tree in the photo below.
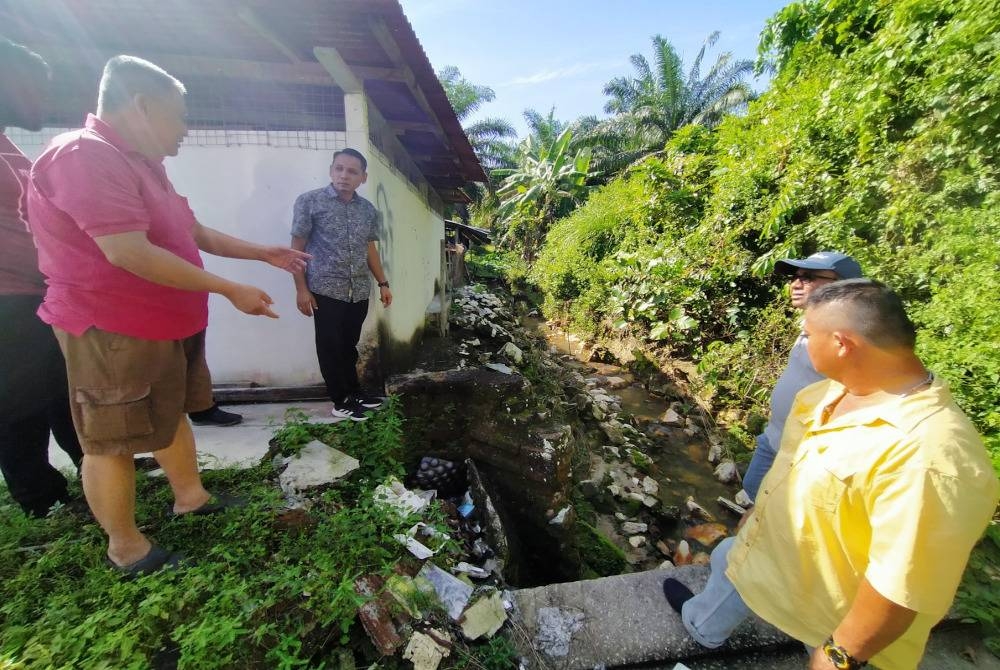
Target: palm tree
x,y
649,106
491,138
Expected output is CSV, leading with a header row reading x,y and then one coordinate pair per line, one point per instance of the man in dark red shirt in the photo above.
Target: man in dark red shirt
x,y
127,297
33,399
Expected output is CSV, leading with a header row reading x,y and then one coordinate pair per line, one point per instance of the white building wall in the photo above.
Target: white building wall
x,y
248,191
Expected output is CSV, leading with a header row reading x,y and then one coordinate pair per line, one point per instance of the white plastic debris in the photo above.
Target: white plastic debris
x,y
471,570
414,546
500,367
560,518
453,593
397,496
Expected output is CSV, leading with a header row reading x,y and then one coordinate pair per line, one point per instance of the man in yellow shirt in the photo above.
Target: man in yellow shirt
x,y
879,476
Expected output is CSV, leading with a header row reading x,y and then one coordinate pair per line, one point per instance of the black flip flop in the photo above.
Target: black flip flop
x,y
219,502
157,559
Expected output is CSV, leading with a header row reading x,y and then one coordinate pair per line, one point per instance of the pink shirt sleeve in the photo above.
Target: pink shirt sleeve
x,y
95,185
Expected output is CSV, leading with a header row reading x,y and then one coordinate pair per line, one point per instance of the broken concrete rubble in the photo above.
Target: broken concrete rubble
x,y
426,651
484,617
375,614
315,465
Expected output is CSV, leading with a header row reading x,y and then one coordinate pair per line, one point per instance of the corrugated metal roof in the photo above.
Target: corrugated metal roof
x,y
206,41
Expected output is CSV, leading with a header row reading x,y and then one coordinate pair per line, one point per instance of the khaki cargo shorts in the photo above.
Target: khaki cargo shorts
x,y
128,394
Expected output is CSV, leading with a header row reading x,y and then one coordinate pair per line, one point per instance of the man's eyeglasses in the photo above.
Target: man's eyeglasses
x,y
807,277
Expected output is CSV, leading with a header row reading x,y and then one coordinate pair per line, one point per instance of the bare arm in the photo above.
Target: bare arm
x,y
213,242
134,252
872,624
304,299
375,265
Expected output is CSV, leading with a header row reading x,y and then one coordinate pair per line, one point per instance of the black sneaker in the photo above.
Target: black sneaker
x,y
215,417
342,411
368,401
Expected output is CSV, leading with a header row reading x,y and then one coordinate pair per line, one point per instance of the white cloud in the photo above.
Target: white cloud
x,y
567,72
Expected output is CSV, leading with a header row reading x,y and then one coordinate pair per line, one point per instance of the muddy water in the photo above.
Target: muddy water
x,y
680,466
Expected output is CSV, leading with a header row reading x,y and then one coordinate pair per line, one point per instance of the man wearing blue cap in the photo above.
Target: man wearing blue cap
x,y
805,275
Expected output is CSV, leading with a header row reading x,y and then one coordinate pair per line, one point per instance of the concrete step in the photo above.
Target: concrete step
x,y
622,620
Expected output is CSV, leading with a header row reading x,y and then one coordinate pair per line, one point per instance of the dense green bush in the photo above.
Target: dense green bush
x,y
878,137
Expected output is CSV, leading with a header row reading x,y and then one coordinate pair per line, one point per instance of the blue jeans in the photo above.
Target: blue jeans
x,y
763,457
712,615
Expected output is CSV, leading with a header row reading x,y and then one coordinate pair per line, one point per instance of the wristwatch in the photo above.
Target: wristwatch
x,y
383,284
840,658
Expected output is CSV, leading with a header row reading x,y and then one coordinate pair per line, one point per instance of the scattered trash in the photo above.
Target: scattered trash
x,y
414,546
397,496
453,593
425,651
404,591
375,614
446,477
480,549
560,518
471,570
466,507
484,617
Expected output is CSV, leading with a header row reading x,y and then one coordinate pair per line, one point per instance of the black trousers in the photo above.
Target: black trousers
x,y
338,329
33,401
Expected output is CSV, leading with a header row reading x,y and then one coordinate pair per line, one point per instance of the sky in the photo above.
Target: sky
x,y
560,53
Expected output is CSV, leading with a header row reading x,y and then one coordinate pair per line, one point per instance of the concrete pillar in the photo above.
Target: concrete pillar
x,y
356,121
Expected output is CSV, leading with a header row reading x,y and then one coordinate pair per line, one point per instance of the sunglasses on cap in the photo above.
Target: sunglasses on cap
x,y
809,276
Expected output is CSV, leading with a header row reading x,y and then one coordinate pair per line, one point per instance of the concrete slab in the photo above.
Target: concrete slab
x,y
242,445
626,620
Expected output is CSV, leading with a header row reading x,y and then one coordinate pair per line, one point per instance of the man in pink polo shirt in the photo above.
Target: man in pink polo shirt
x,y
128,297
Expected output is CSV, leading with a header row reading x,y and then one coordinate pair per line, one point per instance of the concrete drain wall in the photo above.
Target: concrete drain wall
x,y
523,461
